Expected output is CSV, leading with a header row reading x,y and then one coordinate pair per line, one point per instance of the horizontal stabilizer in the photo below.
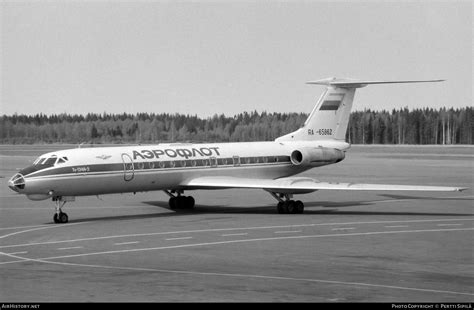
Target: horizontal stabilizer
x,y
351,83
302,185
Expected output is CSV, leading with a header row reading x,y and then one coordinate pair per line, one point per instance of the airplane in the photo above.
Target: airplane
x,y
178,167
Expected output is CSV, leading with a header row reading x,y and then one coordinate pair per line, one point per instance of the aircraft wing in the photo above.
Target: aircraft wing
x,y
300,185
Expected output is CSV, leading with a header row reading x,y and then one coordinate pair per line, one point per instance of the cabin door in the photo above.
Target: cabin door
x,y
128,169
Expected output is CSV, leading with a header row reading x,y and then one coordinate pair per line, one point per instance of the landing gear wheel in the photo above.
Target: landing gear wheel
x,y
60,218
291,206
172,203
284,207
280,208
63,218
189,202
181,202
299,207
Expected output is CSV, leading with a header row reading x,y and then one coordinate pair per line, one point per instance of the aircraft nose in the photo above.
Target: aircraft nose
x,y
16,183
12,186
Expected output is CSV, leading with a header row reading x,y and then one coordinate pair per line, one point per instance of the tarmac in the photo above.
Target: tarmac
x,y
235,247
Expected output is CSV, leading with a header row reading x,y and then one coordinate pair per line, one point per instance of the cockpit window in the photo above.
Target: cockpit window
x,y
37,160
40,160
46,161
50,161
62,160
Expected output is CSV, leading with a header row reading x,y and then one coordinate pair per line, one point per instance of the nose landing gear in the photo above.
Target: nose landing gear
x,y
61,217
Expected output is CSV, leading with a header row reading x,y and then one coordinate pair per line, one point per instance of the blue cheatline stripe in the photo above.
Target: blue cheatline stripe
x,y
170,165
145,171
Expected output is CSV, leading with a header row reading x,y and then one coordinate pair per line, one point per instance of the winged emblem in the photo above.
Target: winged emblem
x,y
104,157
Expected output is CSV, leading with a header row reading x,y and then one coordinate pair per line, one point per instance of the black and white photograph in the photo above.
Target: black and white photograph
x,y
241,151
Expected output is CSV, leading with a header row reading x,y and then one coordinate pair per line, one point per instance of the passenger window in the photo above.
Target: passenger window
x,y
236,160
213,162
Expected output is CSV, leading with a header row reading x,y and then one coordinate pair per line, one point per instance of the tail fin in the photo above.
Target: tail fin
x,y
330,116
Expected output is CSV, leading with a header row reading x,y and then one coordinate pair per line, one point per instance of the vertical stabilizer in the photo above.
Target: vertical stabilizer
x,y
330,116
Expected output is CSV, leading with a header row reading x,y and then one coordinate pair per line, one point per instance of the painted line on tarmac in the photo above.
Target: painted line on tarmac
x,y
179,238
254,240
40,228
79,208
396,226
449,224
124,243
71,248
229,235
18,227
457,197
252,276
287,232
392,200
16,253
344,228
220,229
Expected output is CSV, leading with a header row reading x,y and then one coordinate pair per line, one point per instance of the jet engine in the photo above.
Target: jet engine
x,y
320,156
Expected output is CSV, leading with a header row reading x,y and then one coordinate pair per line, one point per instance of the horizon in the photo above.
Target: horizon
x,y
226,115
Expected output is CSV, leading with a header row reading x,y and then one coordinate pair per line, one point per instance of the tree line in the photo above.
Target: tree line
x,y
403,126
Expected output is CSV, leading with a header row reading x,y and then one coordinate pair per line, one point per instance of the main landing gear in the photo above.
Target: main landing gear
x,y
288,206
60,217
179,202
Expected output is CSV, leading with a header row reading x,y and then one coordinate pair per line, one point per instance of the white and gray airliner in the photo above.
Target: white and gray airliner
x,y
179,167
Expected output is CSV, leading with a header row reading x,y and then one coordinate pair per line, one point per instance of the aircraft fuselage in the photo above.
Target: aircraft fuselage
x,y
106,170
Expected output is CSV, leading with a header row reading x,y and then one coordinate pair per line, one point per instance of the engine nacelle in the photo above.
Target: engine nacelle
x,y
319,156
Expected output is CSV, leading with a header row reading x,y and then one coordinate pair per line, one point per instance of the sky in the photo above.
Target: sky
x,y
207,57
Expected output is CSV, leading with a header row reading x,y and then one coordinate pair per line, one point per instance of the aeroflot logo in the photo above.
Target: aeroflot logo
x,y
186,153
